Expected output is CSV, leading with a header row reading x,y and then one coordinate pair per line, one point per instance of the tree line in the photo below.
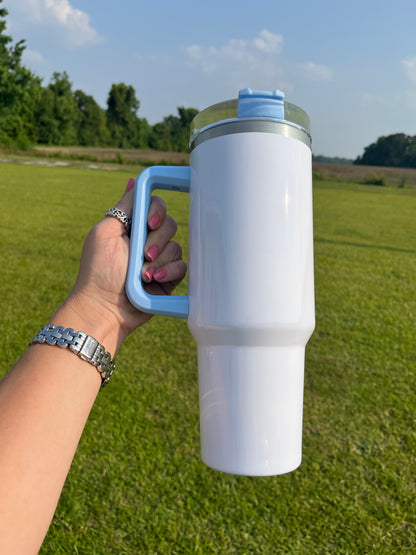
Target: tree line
x,y
55,114
398,150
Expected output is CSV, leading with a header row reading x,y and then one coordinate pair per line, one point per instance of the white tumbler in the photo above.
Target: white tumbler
x,y
250,305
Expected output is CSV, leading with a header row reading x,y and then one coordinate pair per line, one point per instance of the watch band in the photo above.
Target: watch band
x,y
83,345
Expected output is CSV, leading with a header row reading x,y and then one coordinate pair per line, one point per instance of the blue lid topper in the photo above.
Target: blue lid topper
x,y
264,104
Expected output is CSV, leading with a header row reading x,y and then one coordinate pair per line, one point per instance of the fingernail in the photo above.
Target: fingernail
x,y
160,274
130,184
148,274
152,253
154,221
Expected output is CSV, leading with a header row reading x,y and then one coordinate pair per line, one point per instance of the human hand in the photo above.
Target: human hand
x,y
100,286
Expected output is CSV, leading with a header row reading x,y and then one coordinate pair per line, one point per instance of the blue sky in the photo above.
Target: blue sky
x,y
350,65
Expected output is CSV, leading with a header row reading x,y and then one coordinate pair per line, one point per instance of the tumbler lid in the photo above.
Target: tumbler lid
x,y
252,105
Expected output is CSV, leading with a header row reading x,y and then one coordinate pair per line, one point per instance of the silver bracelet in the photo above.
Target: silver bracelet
x,y
83,345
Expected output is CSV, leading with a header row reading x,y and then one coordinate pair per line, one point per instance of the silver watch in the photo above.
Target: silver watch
x,y
83,345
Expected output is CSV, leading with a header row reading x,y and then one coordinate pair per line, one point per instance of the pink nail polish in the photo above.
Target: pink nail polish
x,y
152,253
154,221
148,275
130,184
160,274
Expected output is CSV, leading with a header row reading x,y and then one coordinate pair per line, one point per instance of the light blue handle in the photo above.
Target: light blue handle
x,y
172,178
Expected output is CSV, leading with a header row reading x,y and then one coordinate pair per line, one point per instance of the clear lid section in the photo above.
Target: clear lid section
x,y
229,110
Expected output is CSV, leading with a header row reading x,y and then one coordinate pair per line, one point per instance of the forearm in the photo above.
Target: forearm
x,y
45,402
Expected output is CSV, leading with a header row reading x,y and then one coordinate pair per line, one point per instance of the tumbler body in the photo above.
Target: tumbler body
x,y
251,295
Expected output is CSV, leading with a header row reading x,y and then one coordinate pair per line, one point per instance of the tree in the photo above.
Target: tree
x,y
46,125
161,138
145,134
394,150
19,89
92,126
173,132
122,119
57,115
65,109
410,161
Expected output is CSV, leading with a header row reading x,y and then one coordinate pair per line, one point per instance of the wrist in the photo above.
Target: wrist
x,y
81,313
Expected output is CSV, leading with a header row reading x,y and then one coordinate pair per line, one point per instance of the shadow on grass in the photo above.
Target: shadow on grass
x,y
363,245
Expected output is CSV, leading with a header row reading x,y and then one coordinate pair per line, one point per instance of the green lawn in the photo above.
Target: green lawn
x,y
137,484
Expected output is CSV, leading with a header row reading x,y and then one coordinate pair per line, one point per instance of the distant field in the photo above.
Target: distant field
x,y
137,484
103,156
130,155
351,172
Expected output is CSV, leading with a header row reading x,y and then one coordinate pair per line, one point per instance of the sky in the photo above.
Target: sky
x,y
350,65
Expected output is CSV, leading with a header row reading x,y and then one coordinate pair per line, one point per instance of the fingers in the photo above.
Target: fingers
x,y
163,257
156,214
126,201
159,238
167,267
165,287
114,225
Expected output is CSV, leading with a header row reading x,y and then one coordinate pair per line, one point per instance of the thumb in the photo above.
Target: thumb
x,y
126,201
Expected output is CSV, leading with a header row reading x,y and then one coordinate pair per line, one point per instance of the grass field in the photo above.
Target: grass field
x,y
137,484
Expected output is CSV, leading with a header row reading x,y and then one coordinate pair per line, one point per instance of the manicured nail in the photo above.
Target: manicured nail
x,y
154,221
130,184
160,274
152,253
148,275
